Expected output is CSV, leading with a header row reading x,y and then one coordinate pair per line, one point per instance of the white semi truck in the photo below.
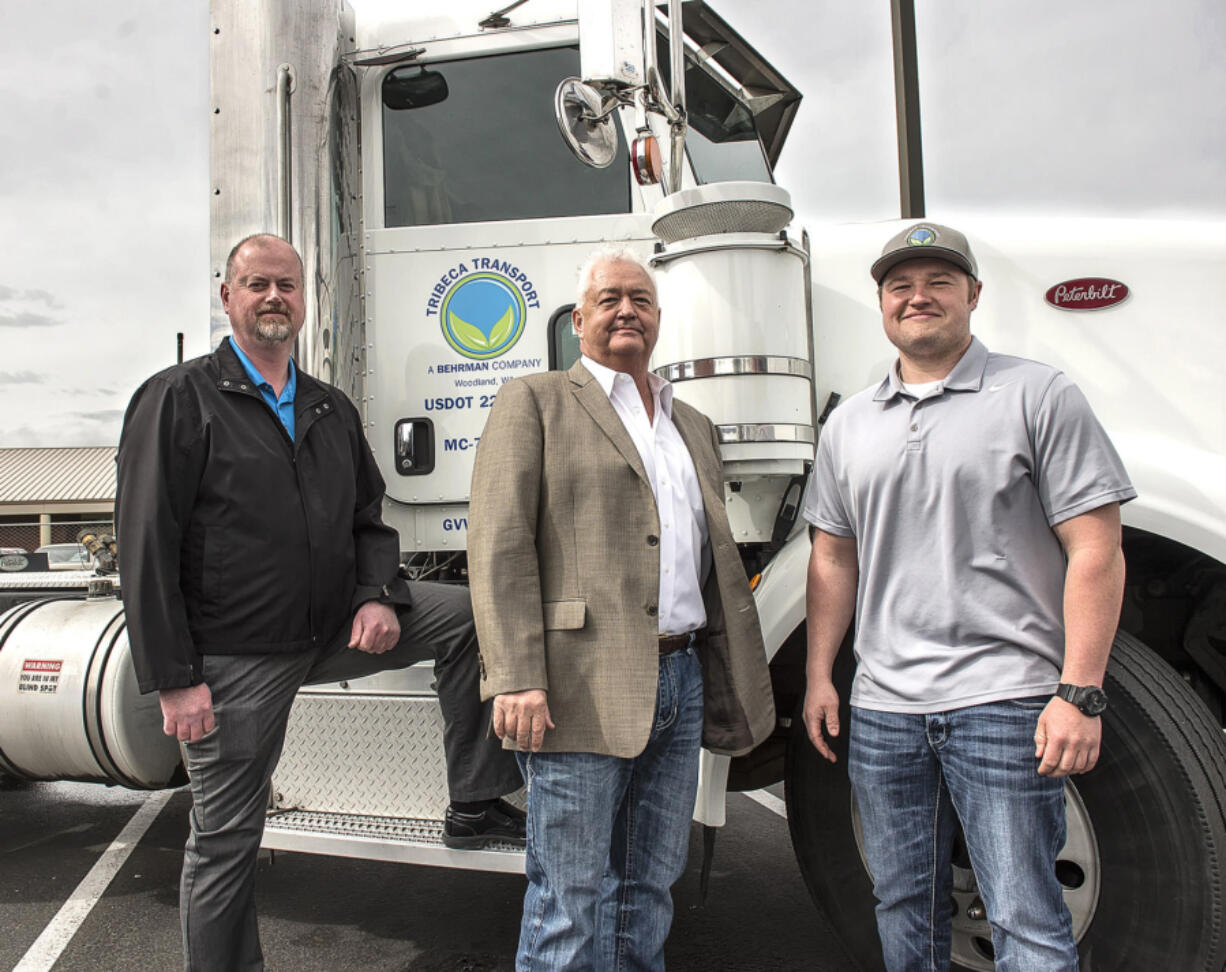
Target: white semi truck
x,y
416,163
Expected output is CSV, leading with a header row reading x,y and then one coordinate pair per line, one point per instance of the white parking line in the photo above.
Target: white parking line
x,y
769,800
56,936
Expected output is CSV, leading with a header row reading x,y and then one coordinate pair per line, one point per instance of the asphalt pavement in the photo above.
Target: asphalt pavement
x,y
71,900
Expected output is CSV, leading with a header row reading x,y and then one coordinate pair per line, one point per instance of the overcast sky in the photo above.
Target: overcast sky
x,y
1098,107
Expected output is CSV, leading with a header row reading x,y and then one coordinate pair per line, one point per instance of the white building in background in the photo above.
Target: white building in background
x,y
48,495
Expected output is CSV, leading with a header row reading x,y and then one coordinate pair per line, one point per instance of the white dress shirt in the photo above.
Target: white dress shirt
x,y
685,557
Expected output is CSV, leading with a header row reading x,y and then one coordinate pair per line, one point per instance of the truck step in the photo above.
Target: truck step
x,y
406,840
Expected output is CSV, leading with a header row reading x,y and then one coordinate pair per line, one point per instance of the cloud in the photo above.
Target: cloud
x,y
92,393
67,429
101,417
37,295
41,296
21,378
27,319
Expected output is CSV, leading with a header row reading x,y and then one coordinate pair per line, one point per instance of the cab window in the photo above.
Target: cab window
x,y
722,139
475,140
563,341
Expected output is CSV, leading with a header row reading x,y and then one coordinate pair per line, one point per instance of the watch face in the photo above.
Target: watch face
x,y
1093,701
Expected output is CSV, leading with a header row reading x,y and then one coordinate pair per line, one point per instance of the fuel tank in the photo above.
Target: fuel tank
x,y
70,708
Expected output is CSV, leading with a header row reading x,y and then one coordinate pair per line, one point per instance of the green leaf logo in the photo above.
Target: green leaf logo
x,y
502,330
468,334
483,314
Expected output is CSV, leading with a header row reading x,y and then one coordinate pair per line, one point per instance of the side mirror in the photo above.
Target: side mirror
x,y
586,125
413,87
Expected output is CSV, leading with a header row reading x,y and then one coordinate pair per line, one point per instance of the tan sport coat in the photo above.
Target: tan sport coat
x,y
564,568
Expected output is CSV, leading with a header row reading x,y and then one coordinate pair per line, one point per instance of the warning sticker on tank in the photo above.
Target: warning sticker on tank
x,y
39,675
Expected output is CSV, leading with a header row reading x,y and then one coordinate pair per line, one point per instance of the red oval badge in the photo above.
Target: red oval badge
x,y
1086,293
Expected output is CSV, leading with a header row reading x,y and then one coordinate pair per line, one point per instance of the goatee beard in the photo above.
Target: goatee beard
x,y
272,332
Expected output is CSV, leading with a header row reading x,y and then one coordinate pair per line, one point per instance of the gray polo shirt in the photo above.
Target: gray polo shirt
x,y
951,499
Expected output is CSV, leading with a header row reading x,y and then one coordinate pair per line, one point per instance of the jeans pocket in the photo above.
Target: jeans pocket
x,y
1032,703
527,769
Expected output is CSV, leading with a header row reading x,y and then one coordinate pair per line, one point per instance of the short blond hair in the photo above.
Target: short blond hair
x,y
260,239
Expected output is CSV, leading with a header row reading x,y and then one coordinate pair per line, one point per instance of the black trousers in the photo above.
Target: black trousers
x,y
232,766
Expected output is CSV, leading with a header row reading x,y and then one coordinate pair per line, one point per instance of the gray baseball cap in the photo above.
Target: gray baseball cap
x,y
926,240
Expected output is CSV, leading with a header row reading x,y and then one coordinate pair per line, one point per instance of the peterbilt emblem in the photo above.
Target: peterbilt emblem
x,y
1086,293
12,562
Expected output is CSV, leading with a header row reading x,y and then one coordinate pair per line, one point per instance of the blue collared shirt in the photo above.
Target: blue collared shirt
x,y
283,406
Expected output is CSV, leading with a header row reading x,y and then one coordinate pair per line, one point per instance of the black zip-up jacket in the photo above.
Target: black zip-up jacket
x,y
233,539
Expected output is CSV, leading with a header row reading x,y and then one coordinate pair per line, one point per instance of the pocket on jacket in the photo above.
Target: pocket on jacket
x,y
559,615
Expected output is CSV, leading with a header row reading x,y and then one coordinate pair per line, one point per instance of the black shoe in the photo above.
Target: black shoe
x,y
499,823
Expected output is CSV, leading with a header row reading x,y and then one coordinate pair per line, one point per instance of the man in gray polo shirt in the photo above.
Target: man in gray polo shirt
x,y
967,511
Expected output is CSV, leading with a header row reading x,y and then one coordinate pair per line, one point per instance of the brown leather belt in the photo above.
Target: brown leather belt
x,y
670,643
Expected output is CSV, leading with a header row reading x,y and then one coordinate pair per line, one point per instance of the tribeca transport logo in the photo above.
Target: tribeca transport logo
x,y
482,308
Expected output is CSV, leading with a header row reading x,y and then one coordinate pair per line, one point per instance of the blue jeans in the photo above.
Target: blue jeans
x,y
911,775
607,837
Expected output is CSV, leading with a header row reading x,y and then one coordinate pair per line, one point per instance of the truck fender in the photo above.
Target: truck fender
x,y
780,595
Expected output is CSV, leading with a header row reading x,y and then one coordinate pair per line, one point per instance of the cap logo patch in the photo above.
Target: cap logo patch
x,y
921,236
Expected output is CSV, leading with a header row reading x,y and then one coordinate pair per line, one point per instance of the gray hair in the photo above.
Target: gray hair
x,y
613,253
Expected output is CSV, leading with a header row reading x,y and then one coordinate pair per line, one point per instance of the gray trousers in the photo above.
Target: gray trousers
x,y
231,768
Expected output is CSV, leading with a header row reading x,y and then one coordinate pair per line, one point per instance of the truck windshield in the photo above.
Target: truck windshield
x,y
490,149
722,140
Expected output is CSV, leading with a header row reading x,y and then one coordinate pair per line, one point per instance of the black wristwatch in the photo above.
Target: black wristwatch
x,y
1090,699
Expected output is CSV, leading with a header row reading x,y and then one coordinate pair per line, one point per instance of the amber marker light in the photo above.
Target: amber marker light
x,y
647,161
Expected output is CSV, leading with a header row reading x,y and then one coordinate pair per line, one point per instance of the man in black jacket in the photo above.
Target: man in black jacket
x,y
254,561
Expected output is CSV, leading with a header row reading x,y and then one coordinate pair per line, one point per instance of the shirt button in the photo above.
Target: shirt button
x,y
915,428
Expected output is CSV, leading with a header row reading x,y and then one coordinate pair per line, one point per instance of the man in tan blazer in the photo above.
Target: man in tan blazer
x,y
617,629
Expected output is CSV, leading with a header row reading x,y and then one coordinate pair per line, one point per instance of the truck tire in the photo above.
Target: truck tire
x,y
1143,867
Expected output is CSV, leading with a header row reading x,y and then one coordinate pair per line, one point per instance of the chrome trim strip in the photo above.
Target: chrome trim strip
x,y
811,346
726,241
765,432
745,364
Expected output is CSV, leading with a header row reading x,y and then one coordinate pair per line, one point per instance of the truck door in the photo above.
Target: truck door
x,y
477,223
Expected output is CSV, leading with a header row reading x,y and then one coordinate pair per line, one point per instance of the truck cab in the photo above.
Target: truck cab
x,y
430,168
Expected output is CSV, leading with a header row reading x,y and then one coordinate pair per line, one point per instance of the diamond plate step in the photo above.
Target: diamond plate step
x,y
375,755
407,840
